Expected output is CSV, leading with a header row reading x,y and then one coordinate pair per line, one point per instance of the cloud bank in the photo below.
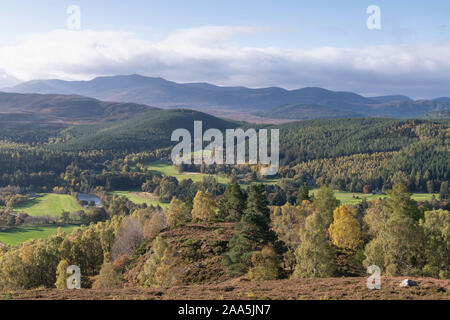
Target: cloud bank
x,y
212,54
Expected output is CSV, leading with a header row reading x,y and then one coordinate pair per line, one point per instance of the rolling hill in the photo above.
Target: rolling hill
x,y
64,108
159,92
148,131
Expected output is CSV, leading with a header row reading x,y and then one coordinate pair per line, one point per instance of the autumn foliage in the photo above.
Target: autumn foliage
x,y
345,231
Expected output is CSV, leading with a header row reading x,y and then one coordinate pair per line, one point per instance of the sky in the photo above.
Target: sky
x,y
290,44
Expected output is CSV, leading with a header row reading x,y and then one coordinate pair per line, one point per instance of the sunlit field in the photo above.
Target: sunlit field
x,y
19,235
168,170
49,204
356,197
139,198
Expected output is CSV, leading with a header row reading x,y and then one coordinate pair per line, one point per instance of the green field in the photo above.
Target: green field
x,y
49,204
133,197
267,181
19,235
424,196
166,169
356,197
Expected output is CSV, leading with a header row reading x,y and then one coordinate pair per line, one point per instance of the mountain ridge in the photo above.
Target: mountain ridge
x,y
206,97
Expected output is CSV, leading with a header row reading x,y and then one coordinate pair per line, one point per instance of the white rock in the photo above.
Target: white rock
x,y
408,283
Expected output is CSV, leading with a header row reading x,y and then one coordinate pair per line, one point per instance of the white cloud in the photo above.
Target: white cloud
x,y
211,54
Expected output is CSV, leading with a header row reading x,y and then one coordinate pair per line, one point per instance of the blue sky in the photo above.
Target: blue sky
x,y
274,30
294,23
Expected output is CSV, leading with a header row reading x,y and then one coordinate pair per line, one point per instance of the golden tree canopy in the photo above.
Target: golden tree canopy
x,y
345,231
204,207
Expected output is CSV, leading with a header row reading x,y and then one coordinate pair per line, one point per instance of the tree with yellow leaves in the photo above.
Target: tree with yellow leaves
x,y
176,214
61,275
152,227
345,231
204,208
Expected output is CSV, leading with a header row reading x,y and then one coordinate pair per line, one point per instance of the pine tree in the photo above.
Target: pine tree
x,y
252,233
257,201
232,204
315,257
303,194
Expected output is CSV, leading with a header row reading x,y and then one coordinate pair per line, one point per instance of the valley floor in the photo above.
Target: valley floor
x,y
241,289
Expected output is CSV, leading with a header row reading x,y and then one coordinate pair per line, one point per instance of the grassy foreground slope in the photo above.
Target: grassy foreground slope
x,y
49,204
297,289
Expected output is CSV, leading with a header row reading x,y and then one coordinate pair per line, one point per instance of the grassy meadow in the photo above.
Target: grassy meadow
x,y
19,235
49,204
166,169
356,197
140,197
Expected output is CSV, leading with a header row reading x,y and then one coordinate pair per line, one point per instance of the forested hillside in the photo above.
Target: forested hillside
x,y
345,153
147,132
351,153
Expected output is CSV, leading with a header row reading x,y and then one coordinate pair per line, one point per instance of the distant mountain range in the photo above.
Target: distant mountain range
x,y
265,102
